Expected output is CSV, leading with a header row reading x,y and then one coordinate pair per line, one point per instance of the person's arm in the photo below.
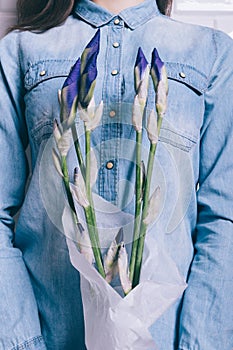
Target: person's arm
x,y
19,320
207,314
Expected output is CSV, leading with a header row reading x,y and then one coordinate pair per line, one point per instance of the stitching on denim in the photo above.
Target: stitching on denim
x,y
81,12
24,345
174,68
36,132
216,54
187,137
29,86
54,71
175,144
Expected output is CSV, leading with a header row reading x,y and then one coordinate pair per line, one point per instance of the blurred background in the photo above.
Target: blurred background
x,y
212,13
7,14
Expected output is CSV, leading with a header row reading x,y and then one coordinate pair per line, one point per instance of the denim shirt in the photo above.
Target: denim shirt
x,y
40,303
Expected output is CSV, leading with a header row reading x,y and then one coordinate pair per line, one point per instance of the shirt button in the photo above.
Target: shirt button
x,y
42,73
114,72
112,114
116,44
117,21
109,165
182,75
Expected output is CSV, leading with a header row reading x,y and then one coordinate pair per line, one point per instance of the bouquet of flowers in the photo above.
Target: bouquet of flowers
x,y
125,287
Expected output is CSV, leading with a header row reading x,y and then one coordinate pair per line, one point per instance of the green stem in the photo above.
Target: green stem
x,y
159,123
88,179
143,226
91,224
138,204
88,163
89,211
145,205
78,150
67,188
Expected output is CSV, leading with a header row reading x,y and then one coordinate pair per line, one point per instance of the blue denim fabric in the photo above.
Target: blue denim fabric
x,y
40,304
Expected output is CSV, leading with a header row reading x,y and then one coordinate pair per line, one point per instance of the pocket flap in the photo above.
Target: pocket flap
x,y
46,69
187,75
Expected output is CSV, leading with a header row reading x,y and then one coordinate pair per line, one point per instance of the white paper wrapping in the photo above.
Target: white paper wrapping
x,y
114,322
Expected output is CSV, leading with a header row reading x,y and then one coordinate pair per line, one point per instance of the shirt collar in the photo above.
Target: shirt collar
x,y
132,16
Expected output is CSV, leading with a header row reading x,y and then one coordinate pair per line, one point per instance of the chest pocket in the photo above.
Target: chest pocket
x,y
185,110
44,70
42,81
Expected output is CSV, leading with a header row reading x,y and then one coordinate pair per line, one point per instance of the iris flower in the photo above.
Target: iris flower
x,y
141,73
159,77
69,94
141,82
88,71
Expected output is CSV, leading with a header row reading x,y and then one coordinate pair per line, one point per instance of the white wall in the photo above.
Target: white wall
x,y
213,13
7,14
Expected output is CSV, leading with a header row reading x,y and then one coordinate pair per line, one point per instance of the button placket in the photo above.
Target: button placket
x,y
110,135
115,54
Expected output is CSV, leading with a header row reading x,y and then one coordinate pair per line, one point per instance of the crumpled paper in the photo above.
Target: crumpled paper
x,y
112,321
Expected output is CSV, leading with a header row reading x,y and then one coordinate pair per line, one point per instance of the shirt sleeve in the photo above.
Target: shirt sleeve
x,y
207,314
19,320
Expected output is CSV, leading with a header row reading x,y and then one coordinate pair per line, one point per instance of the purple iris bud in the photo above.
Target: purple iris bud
x,y
141,83
74,74
79,85
88,80
156,67
140,68
71,84
89,70
91,48
160,81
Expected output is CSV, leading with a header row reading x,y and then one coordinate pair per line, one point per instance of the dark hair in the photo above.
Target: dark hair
x,y
165,6
44,14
